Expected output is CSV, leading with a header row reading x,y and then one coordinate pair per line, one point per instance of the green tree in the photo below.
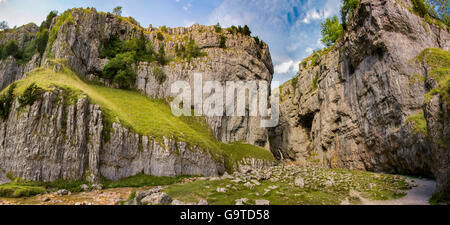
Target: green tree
x,y
218,28
442,9
117,11
222,41
331,30
11,48
3,25
347,8
246,30
48,22
421,7
159,36
120,70
41,41
161,55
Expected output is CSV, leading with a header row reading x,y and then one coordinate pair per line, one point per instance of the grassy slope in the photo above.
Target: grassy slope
x,y
143,115
384,187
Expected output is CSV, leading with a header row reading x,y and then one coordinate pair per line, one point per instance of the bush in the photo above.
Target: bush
x,y
243,30
6,101
48,22
159,36
41,41
331,30
314,82
161,57
218,28
190,51
294,82
421,7
120,70
159,74
30,95
347,7
111,47
222,41
11,48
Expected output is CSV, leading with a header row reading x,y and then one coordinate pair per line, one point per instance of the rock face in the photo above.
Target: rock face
x,y
52,139
348,107
10,69
242,60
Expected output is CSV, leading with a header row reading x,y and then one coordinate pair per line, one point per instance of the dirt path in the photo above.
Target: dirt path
x,y
418,195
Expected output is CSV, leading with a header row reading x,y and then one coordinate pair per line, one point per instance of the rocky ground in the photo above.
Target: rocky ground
x,y
285,184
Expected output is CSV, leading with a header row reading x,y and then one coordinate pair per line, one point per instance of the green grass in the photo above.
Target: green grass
x,y
442,197
142,180
439,61
143,115
314,193
419,123
13,190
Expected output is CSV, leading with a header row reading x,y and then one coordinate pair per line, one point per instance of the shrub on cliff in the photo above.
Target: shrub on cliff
x,y
6,101
347,8
159,74
30,95
331,30
120,70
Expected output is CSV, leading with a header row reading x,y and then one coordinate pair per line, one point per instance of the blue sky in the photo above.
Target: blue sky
x,y
290,27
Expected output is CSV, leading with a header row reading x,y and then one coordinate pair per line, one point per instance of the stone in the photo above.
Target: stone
x,y
249,185
241,201
221,190
299,182
227,176
202,202
84,187
159,198
62,192
262,202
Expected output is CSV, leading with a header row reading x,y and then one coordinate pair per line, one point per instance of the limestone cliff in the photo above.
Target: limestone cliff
x,y
349,105
52,139
78,40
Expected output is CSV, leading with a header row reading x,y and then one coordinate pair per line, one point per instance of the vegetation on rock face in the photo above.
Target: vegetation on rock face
x,y
314,84
223,41
159,74
347,8
439,61
189,52
433,11
331,31
241,30
123,55
30,95
142,115
6,101
117,11
419,123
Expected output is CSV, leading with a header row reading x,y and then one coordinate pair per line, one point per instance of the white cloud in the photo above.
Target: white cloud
x,y
2,1
312,14
187,6
309,50
288,67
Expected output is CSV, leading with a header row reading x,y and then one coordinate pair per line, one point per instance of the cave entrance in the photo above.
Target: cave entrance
x,y
306,122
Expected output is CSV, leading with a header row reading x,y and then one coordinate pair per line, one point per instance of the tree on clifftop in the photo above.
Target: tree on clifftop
x,y
117,11
331,31
3,25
